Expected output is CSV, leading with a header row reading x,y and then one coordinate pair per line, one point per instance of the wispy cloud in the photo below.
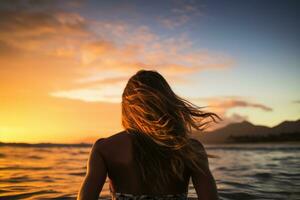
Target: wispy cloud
x,y
221,105
227,103
61,47
180,14
41,31
296,101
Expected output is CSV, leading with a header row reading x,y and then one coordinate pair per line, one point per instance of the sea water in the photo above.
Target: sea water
x,y
242,171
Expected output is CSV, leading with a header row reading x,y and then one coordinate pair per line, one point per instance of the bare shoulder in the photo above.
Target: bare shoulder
x,y
199,148
105,144
196,143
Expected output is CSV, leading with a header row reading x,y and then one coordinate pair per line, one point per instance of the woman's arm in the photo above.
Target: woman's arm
x,y
204,183
95,176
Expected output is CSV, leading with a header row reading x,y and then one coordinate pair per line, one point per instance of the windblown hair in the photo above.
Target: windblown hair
x,y
162,122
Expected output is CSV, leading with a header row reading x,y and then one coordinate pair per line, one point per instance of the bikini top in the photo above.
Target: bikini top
x,y
123,196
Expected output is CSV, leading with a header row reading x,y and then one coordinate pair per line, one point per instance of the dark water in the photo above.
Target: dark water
x,y
265,171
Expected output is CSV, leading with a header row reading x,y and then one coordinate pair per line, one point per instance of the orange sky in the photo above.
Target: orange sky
x,y
64,66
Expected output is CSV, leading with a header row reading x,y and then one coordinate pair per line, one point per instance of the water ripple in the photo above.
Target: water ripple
x,y
241,172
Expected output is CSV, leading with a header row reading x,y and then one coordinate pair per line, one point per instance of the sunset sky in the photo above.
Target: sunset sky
x,y
64,64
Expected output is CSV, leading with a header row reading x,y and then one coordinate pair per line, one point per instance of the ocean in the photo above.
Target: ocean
x,y
242,171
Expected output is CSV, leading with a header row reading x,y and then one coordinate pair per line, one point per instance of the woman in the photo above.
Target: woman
x,y
154,157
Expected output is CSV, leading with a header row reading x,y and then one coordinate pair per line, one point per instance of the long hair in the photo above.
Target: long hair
x,y
161,122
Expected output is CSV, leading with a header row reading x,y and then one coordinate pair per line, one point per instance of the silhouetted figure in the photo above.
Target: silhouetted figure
x,y
154,157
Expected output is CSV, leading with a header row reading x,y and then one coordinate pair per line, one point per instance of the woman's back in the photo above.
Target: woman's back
x,y
117,152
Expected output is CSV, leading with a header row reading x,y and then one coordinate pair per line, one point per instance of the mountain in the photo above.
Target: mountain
x,y
287,127
246,131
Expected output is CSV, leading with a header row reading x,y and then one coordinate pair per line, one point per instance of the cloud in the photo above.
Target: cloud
x,y
172,23
105,90
97,49
34,24
296,101
222,106
173,55
231,103
36,28
6,49
180,14
55,48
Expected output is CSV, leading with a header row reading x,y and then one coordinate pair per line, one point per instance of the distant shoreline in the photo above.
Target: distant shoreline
x,y
88,145
235,133
44,145
270,138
